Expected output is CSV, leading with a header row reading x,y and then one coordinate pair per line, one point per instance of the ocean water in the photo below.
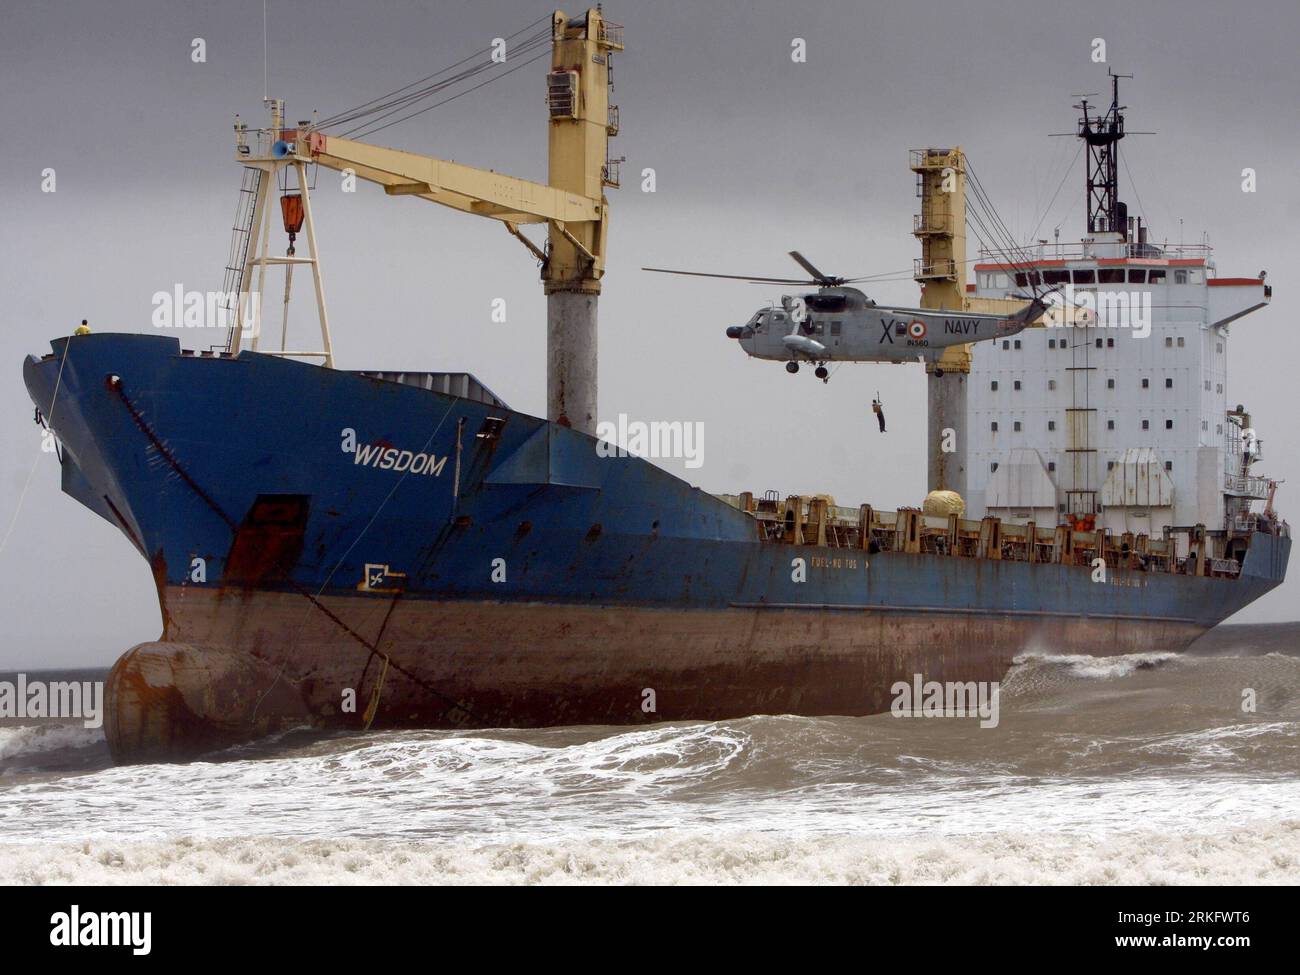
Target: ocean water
x,y
1137,769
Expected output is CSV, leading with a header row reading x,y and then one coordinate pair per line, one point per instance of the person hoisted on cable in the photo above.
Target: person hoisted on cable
x,y
877,409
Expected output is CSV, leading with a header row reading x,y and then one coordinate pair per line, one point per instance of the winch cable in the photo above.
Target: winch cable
x,y
370,116
985,216
371,131
365,108
1059,186
115,384
49,419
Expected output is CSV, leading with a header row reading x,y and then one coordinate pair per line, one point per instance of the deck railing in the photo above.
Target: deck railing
x,y
817,521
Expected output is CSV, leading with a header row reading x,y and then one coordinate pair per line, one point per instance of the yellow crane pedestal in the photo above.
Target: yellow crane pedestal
x,y
941,273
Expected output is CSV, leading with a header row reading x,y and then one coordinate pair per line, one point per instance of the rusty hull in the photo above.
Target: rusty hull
x,y
484,664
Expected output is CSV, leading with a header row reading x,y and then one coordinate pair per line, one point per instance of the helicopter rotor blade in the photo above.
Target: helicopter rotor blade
x,y
733,277
807,265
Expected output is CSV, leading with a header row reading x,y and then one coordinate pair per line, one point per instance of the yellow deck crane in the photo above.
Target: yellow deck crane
x,y
941,272
571,203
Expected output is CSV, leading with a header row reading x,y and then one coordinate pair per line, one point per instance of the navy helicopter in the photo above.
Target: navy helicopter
x,y
841,324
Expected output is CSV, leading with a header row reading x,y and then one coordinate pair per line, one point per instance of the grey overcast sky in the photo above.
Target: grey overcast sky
x,y
754,155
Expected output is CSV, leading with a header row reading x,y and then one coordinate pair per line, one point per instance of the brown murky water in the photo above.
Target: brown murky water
x,y
1147,768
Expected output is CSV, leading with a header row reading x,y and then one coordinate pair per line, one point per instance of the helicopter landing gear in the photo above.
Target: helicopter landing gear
x,y
822,373
792,367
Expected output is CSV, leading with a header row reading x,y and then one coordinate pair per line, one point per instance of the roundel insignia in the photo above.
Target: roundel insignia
x,y
916,330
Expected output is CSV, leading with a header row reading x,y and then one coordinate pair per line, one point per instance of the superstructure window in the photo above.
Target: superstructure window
x,y
1180,276
1015,427
1169,384
1169,465
1156,277
1017,343
994,426
1015,384
1051,425
1110,424
994,386
1085,277
1169,342
1051,384
1181,342
1056,277
1169,424
1146,424
1051,343
1137,276
1146,384
1110,384
1110,275
993,466
1006,343
836,327
1051,465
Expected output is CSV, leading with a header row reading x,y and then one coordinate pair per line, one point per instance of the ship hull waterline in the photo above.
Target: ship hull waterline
x,y
522,581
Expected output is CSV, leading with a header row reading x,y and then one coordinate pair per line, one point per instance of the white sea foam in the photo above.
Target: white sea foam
x,y
21,740
1264,853
702,778
1097,668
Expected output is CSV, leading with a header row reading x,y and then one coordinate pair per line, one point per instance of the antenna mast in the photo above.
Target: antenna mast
x,y
1102,133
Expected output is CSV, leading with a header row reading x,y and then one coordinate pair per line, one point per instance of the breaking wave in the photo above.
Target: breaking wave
x,y
22,741
1096,668
1146,768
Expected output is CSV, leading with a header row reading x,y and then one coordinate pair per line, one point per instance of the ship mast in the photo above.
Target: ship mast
x,y
1101,134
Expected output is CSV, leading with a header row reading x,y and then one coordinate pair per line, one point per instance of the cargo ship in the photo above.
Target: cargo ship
x,y
343,549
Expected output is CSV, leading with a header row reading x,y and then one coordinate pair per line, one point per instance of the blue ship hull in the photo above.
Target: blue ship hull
x,y
335,550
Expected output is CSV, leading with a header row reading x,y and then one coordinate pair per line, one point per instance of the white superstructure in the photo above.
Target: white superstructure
x,y
1114,416
1122,415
